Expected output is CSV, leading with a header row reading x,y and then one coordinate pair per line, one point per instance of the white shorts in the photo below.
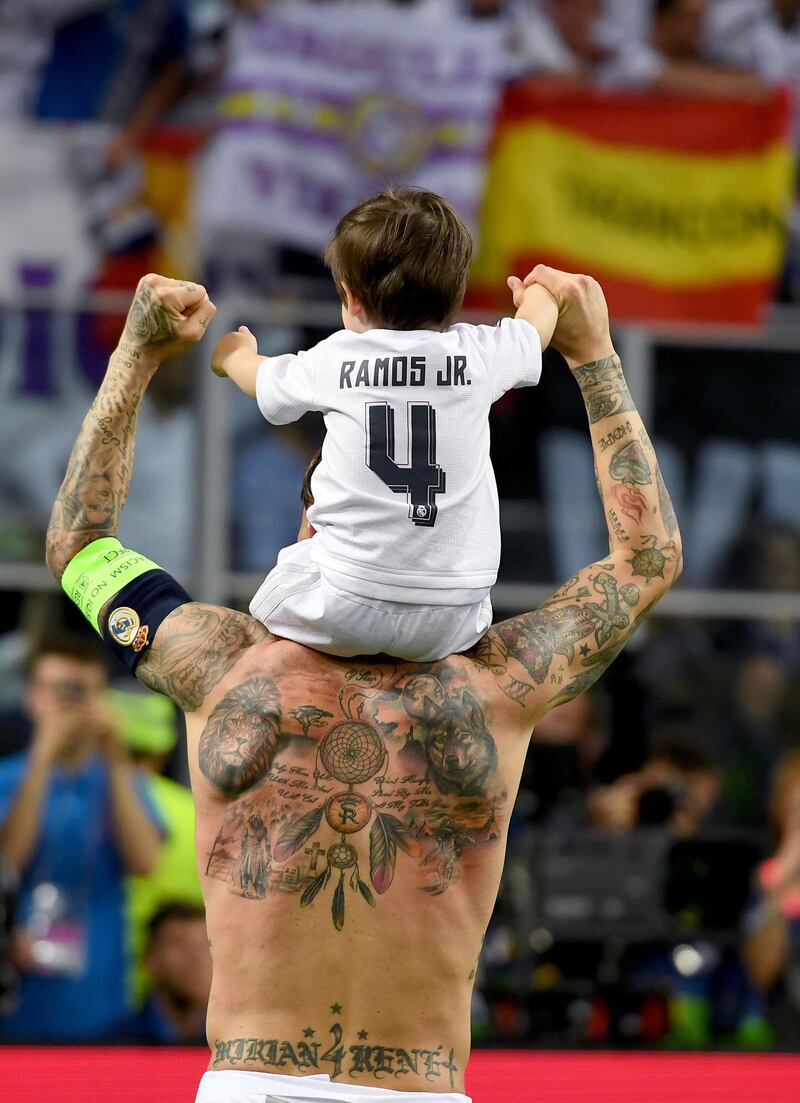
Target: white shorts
x,y
232,1086
296,601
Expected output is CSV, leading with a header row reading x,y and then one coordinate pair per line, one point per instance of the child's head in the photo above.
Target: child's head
x,y
400,261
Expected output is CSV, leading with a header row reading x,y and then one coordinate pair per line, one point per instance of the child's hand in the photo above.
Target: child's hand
x,y
241,338
517,288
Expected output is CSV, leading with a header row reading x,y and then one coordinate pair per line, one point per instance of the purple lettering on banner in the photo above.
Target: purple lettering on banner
x,y
92,352
264,176
306,192
323,107
368,51
36,376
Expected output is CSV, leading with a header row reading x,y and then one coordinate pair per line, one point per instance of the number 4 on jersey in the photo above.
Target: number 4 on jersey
x,y
421,479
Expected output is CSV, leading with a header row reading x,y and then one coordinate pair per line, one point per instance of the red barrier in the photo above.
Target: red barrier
x,y
82,1075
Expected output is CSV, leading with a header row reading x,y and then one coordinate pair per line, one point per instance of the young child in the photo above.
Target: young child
x,y
406,540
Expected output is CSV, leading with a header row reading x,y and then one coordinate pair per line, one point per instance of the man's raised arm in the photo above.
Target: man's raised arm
x,y
546,657
175,646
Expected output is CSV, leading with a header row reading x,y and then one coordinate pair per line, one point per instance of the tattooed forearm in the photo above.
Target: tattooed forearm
x,y
194,649
338,1056
604,389
630,465
99,471
165,316
595,665
564,646
614,435
635,501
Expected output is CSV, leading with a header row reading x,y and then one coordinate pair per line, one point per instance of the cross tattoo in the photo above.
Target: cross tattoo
x,y
315,852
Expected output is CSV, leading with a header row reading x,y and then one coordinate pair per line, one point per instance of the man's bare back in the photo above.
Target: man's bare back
x,y
352,815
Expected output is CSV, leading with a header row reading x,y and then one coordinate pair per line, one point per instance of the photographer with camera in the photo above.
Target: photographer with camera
x,y
676,788
75,818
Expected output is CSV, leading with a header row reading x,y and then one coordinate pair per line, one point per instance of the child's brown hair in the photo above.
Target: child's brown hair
x,y
405,255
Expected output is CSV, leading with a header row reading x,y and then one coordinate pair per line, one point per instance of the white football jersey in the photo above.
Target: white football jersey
x,y
405,500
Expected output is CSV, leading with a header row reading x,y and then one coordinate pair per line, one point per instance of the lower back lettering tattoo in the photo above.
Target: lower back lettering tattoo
x,y
342,1057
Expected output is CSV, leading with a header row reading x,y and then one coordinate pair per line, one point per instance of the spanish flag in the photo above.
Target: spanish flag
x,y
677,206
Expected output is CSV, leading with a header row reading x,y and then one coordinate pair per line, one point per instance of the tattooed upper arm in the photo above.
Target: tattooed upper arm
x,y
544,658
194,649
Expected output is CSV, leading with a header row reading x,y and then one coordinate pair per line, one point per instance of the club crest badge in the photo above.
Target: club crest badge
x,y
123,624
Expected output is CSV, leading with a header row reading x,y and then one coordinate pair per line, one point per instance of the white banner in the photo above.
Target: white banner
x,y
326,105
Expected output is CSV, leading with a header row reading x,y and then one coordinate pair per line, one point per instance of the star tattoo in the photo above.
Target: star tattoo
x,y
584,649
336,1008
308,1032
362,1034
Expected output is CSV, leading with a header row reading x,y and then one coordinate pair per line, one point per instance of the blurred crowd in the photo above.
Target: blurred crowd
x,y
130,62
653,888
649,897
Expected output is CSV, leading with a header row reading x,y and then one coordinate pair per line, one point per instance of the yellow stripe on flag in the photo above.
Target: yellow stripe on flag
x,y
671,219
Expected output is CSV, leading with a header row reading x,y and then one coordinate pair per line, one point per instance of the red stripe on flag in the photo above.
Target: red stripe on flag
x,y
740,302
678,124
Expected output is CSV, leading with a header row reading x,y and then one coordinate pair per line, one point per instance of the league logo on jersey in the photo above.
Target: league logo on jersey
x,y
123,624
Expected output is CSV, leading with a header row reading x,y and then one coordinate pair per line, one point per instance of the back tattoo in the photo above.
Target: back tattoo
x,y
326,801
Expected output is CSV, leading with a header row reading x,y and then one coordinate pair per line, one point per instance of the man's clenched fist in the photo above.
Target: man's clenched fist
x,y
167,316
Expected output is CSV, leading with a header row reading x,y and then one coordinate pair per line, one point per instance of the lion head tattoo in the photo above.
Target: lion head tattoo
x,y
241,737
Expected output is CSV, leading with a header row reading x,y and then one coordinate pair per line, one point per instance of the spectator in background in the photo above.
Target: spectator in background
x,y
559,39
121,62
660,45
178,963
762,35
657,45
148,727
26,33
75,817
677,788
772,938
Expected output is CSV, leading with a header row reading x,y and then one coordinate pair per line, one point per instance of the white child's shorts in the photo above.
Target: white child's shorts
x,y
232,1086
296,601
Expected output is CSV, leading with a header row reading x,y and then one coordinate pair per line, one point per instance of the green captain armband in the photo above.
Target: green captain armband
x,y
97,574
